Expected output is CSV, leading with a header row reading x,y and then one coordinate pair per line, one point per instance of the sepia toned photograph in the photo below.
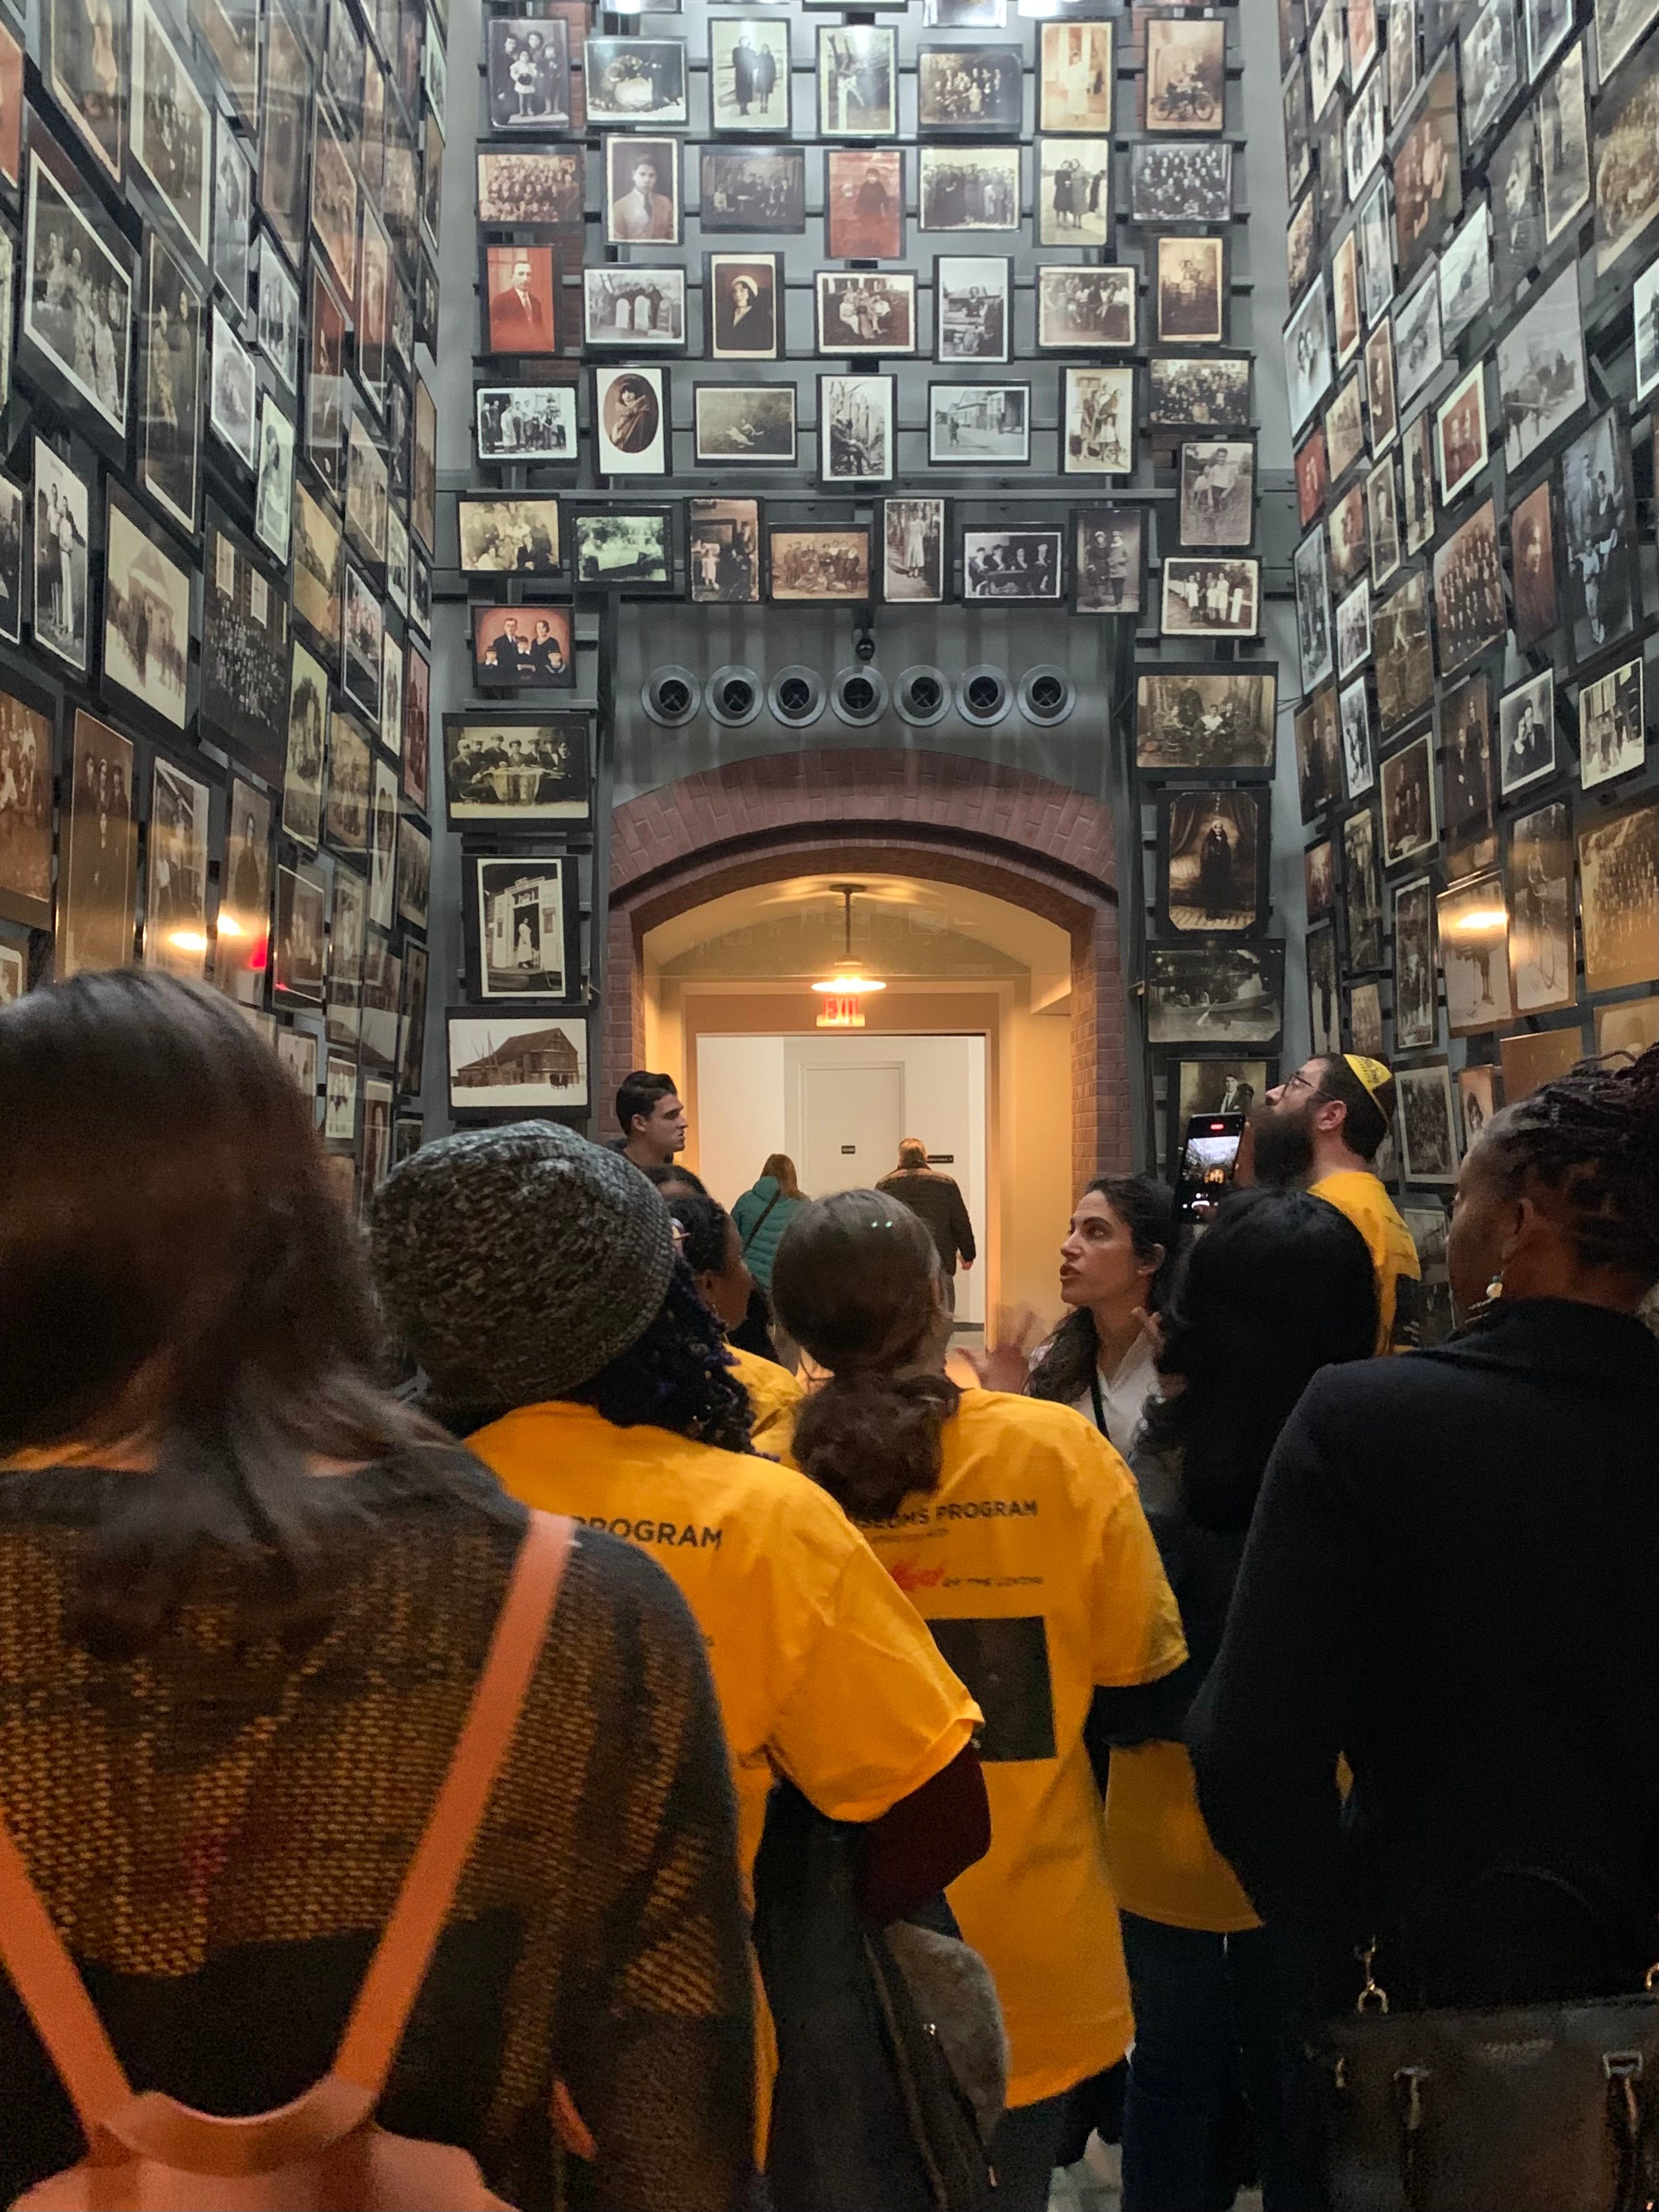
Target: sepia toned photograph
x,y
1618,894
27,769
1315,639
1626,163
1526,719
742,296
1182,184
1492,64
1400,647
1363,133
1319,880
63,533
1186,73
523,648
1611,726
98,855
743,423
858,81
1625,1032
913,551
971,302
284,132
1532,560
382,845
1313,476
307,738
233,389
863,203
972,91
1324,995
1409,829
169,416
346,801
508,768
1598,534
1107,561
501,535
1460,433
521,284
1073,194
1191,291
1301,245
1416,1010
1465,275
544,186
749,74
1541,369
856,429
527,72
973,422
1619,25
1470,767
1472,923
1563,142
1417,469
1362,890
1353,629
630,422
1358,749
615,549
723,551
1344,291
241,953
1211,394
518,1063
757,190
1428,194
1097,418
1075,70
525,916
414,872
1210,598
418,723
631,307
1543,974
172,123
364,633
1085,307
1345,525
1470,611
526,422
1218,493
1005,563
367,510
1422,1121
299,947
1318,753
632,79
1213,856
831,564
176,873
866,312
1206,717
318,554
1382,522
273,492
1200,995
1418,346
1307,357
1514,179
146,615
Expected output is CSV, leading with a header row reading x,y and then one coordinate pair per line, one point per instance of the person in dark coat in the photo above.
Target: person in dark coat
x,y
937,1200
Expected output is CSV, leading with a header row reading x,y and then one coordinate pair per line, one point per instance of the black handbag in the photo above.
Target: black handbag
x,y
1549,2106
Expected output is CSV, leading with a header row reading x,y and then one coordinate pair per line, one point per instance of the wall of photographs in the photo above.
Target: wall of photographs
x,y
218,304
933,307
1472,357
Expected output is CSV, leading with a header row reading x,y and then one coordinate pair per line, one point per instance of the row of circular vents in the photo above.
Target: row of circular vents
x,y
858,695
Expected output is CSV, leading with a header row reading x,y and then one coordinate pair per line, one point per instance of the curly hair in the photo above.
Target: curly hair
x,y
1592,1138
1146,1209
678,1376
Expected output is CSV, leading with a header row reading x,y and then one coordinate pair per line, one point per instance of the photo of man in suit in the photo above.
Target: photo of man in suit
x,y
520,298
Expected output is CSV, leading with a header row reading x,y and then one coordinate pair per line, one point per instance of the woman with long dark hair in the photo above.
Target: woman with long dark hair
x,y
1112,1266
712,1250
1279,1287
1018,1534
245,1598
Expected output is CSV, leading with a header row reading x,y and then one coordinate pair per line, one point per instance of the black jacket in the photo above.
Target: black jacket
x,y
936,1199
1452,1577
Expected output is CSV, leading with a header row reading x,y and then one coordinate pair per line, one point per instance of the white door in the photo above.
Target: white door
x,y
851,1120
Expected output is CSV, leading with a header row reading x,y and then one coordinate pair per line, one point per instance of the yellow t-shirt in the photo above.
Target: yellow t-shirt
x,y
1159,1852
1038,1575
1368,1206
774,1395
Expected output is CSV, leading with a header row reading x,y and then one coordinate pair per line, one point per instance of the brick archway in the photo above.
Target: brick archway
x,y
938,816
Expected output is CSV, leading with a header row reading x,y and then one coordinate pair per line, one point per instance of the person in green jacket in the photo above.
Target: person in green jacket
x,y
763,1213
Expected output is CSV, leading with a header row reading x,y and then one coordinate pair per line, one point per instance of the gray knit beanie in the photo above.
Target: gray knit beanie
x,y
516,1262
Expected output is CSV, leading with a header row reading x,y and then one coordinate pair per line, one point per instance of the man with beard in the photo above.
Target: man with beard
x,y
1321,1129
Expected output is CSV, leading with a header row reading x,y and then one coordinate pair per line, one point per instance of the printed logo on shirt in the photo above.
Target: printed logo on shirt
x,y
963,1509
674,1533
1004,1666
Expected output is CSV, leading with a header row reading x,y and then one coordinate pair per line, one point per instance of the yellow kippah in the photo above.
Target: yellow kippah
x,y
1371,1072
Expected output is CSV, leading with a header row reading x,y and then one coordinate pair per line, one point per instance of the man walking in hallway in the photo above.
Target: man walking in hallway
x,y
937,1201
651,1118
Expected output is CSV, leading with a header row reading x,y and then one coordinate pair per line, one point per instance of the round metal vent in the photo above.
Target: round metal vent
x,y
796,696
859,696
923,697
733,696
671,696
983,696
1047,695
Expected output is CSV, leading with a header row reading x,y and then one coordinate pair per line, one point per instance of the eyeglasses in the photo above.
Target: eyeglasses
x,y
1298,1082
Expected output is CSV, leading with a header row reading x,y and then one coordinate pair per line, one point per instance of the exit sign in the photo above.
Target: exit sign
x,y
842,1010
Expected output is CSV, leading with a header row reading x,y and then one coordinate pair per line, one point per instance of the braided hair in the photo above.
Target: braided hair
x,y
1592,1138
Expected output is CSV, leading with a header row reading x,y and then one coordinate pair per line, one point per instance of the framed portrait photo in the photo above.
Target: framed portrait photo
x,y
970,423
1191,295
526,422
147,612
1210,994
1018,564
914,551
828,565
642,309
1205,717
723,551
520,287
1212,598
631,430
544,186
972,296
742,297
1076,67
1107,560
504,535
749,74
1218,492
87,71
744,424
1088,307
757,190
76,330
527,72
1096,421
1212,862
642,191
503,768
971,91
858,81
1073,193
856,429
627,80
1185,87
623,549
866,311
516,1064
969,188
523,926
171,125
864,202
62,545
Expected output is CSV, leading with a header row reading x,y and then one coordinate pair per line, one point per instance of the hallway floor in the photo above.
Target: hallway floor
x,y
1091,2185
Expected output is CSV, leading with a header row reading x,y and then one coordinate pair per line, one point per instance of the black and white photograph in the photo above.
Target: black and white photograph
x,y
1205,718
1598,530
517,1063
501,535
1085,307
176,873
1375,234
27,735
1540,370
1416,1009
170,410
971,91
1178,184
1307,357
723,552
856,429
1075,71
749,74
1315,641
628,81
1611,726
1358,749
1362,890
1212,862
1382,522
762,191
1526,730
1470,611
1381,398
1301,245
1218,492
299,952
146,615
858,81
1417,474
1345,292
1400,647
232,214
346,805
1626,159
1107,560
742,294
971,299
317,555
1547,23
284,130
63,533
241,953
1326,52
1543,974
528,63
1417,343
86,71
307,740
364,633
1619,25
1470,767
1532,543
745,423
1353,629
1215,993
1011,563
516,767
1465,274
970,424
525,422
1209,394
414,872
640,308
630,422
1210,598
866,311
1186,79
1191,295
829,565
1346,527
391,693
627,550
642,192
77,289
1074,192
273,497
1514,193
1564,144
1401,56
1318,753
278,327
914,551
1097,409
1472,923
1619,894
1492,64
1363,134
1409,828
540,184
1319,880
171,127
1298,145
382,849
1423,1120
525,912
340,1079
1324,997
1644,314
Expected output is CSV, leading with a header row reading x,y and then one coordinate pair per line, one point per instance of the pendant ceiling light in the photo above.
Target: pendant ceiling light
x,y
847,980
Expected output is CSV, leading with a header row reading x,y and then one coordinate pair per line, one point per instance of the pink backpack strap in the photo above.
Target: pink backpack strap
x,y
44,1975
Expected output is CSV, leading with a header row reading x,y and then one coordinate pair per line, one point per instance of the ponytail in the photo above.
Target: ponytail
x,y
873,1440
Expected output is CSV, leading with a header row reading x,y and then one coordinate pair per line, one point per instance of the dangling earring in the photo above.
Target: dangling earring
x,y
1482,1307
1495,1288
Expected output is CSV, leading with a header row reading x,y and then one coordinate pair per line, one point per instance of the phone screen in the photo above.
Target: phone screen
x,y
1209,1159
